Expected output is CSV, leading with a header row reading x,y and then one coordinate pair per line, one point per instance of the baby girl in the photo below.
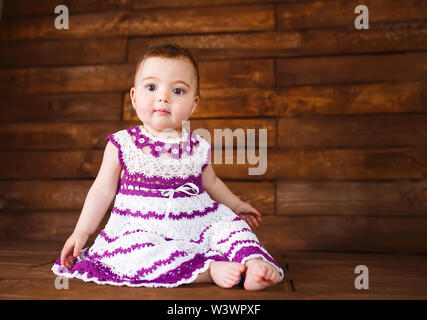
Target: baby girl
x,y
173,221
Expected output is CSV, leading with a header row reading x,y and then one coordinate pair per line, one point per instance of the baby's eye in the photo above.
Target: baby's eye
x,y
150,87
178,91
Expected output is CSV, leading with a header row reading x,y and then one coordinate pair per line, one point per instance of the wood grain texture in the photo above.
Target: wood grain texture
x,y
329,164
54,108
352,69
125,23
312,42
46,7
50,164
348,164
377,131
340,13
345,233
387,98
237,73
352,198
103,78
59,136
196,3
315,275
62,52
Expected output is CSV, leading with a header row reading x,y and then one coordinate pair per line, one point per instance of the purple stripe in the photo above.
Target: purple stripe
x,y
201,238
152,214
161,180
156,182
155,265
95,269
229,236
250,250
141,272
104,235
107,254
237,242
145,193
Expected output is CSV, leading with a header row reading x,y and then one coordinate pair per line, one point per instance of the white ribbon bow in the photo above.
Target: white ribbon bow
x,y
188,188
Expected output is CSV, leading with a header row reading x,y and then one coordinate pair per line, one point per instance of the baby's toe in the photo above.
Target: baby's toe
x,y
270,274
277,276
262,271
267,274
238,267
274,276
259,274
232,279
230,283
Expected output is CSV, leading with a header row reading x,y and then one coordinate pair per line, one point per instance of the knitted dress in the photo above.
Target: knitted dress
x,y
164,228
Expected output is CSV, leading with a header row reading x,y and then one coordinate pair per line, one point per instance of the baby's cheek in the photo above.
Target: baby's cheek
x,y
181,114
144,112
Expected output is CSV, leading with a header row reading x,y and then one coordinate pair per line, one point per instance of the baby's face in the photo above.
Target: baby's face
x,y
164,92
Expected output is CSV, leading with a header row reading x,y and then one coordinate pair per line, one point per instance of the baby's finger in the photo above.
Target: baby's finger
x,y
256,212
64,260
68,251
251,224
69,263
64,253
77,249
244,218
254,221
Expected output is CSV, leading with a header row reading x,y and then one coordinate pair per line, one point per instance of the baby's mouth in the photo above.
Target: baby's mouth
x,y
162,112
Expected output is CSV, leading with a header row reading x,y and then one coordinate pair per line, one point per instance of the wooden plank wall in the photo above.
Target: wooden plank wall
x,y
346,111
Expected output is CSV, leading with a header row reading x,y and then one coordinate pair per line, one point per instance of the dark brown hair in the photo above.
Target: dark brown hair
x,y
173,51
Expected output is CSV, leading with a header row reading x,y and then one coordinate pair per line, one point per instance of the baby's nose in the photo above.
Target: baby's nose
x,y
163,96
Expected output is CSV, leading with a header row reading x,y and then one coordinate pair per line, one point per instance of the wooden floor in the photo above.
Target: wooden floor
x,y
24,274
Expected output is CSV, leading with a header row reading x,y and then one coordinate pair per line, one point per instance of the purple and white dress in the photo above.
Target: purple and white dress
x,y
164,228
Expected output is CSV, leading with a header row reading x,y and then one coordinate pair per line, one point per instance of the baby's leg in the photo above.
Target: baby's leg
x,y
223,273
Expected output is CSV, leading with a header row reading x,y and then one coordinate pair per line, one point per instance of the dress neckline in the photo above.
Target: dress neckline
x,y
171,140
158,146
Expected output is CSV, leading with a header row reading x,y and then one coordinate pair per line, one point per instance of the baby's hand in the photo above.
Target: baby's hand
x,y
72,248
249,214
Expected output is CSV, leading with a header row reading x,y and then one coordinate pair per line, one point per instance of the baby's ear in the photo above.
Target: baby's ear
x,y
195,103
132,96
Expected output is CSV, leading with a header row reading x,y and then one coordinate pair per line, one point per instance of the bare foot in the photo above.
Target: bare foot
x,y
226,274
260,274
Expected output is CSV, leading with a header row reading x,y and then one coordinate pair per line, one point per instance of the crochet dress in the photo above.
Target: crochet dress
x,y
164,229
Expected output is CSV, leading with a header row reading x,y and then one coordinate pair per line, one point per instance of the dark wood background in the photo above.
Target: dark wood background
x,y
346,111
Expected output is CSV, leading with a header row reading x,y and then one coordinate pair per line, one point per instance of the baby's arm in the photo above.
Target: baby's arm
x,y
101,193
218,190
97,202
220,193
